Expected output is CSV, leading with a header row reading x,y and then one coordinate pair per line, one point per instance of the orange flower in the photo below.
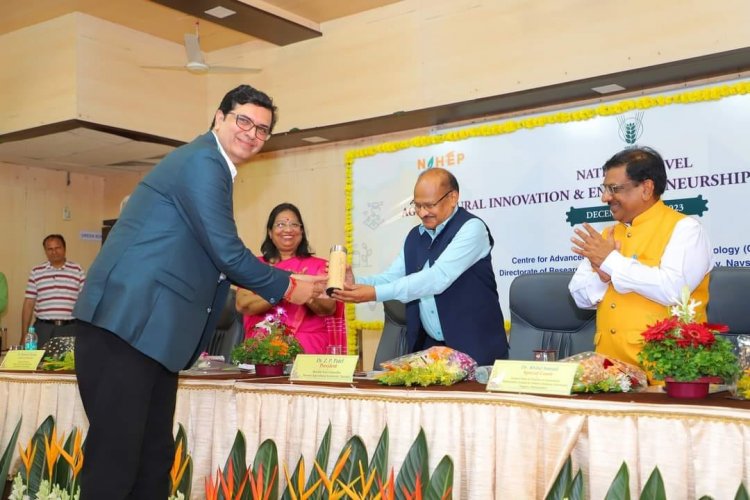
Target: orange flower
x,y
256,484
387,491
27,457
212,486
51,448
303,494
76,459
178,467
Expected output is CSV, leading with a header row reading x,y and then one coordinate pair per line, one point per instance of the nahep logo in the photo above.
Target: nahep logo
x,y
449,159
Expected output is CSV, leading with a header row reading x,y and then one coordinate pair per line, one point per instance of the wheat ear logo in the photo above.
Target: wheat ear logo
x,y
631,128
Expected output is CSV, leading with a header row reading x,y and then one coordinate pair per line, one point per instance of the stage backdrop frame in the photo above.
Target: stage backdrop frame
x,y
533,177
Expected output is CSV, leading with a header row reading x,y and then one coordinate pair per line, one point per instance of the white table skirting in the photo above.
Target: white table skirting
x,y
502,445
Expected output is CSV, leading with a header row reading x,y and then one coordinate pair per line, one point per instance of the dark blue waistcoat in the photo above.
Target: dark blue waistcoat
x,y
468,309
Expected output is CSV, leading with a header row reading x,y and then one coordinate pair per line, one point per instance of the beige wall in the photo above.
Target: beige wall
x,y
81,67
416,54
405,56
31,203
38,79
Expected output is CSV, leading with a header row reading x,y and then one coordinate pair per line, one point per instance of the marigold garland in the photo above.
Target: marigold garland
x,y
715,93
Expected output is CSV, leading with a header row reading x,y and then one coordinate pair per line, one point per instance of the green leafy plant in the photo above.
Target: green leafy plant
x,y
352,476
7,455
679,348
568,487
272,343
620,487
181,474
50,465
238,482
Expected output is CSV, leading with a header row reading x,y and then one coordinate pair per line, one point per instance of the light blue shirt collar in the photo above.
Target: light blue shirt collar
x,y
232,168
434,232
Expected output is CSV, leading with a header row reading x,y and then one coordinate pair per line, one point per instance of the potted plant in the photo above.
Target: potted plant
x,y
270,347
685,354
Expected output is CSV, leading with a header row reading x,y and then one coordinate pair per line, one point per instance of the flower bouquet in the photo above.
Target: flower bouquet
x,y
436,365
677,348
741,388
271,343
598,373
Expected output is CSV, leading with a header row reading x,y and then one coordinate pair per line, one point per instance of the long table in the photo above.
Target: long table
x,y
502,445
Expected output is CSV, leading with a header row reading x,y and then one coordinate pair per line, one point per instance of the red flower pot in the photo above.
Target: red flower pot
x,y
269,370
692,389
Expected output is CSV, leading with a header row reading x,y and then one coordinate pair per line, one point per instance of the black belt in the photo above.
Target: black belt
x,y
57,322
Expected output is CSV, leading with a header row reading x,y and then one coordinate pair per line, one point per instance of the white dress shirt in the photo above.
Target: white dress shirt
x,y
687,259
470,244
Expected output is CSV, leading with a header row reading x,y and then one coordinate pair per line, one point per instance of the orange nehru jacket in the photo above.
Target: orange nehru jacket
x,y
621,318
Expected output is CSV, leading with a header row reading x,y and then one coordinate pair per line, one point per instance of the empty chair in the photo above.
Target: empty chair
x,y
729,299
543,315
393,339
229,331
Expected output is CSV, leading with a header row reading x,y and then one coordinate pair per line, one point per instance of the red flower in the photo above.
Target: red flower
x,y
716,328
693,334
658,331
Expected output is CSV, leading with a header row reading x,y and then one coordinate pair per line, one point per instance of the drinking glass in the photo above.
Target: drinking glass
x,y
336,328
334,349
545,355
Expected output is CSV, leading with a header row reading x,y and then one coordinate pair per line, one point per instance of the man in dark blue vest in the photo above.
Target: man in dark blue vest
x,y
444,275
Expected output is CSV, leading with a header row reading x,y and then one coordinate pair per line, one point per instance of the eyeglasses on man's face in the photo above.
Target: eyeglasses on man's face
x,y
429,206
244,123
614,189
292,226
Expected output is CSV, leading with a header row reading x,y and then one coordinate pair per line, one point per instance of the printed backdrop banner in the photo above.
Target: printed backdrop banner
x,y
532,179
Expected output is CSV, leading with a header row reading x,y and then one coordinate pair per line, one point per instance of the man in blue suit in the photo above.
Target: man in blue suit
x,y
444,275
154,293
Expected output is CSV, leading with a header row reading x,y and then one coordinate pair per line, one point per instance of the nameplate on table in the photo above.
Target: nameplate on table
x,y
323,368
533,377
22,360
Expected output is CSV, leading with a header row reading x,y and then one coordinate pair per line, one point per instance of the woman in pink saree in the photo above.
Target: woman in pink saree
x,y
286,247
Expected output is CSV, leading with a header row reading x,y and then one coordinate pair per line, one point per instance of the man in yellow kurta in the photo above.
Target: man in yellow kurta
x,y
633,271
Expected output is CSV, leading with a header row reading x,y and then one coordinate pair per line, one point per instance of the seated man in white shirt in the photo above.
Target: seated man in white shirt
x,y
444,274
635,269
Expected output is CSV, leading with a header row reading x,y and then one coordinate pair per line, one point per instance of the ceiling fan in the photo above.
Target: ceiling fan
x,y
195,62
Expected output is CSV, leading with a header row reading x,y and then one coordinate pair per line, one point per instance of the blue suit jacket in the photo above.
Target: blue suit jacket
x,y
156,282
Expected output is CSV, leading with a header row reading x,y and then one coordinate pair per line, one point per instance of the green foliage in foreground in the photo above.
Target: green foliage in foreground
x,y
571,488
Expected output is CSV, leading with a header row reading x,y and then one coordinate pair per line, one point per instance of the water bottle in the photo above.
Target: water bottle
x,y
31,339
336,269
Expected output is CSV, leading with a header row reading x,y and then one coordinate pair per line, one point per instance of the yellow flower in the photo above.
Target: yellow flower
x,y
76,459
51,448
27,457
303,494
178,468
330,481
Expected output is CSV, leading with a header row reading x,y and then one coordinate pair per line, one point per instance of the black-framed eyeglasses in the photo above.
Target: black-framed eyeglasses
x,y
614,189
244,123
429,206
